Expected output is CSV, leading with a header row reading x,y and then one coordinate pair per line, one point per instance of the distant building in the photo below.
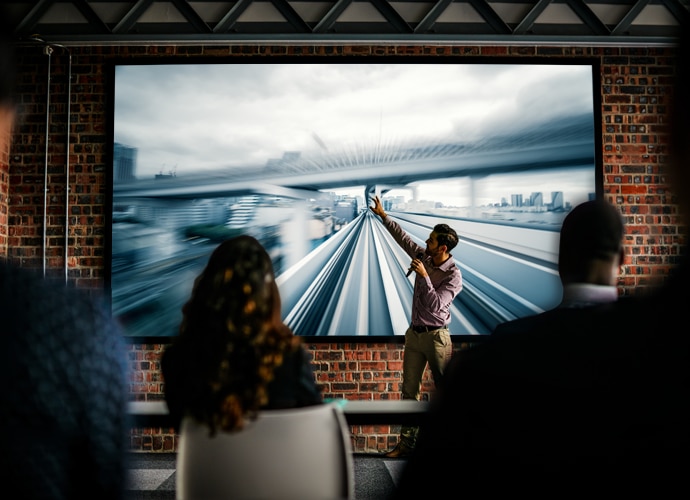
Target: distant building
x,y
242,212
290,162
557,201
536,200
346,209
124,163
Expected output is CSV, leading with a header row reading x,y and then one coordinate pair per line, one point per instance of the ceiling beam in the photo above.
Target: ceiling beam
x,y
62,21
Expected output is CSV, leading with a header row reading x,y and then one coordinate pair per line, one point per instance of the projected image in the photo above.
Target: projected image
x,y
291,154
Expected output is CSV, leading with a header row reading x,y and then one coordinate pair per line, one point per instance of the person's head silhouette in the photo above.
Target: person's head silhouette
x,y
591,244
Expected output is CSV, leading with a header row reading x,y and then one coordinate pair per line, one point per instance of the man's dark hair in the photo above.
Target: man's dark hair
x,y
592,230
446,235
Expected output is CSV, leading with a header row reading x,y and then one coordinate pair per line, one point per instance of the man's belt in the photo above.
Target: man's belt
x,y
423,329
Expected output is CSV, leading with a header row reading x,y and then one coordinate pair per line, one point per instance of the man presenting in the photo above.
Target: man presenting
x,y
427,340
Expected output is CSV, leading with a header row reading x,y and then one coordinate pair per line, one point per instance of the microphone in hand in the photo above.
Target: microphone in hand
x,y
409,271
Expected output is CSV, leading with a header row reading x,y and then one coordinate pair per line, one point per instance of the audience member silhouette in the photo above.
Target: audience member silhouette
x,y
63,415
594,405
234,355
590,253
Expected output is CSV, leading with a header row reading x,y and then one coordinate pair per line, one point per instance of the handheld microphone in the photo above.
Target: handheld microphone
x,y
409,271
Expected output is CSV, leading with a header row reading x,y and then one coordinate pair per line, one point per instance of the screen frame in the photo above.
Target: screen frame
x,y
148,60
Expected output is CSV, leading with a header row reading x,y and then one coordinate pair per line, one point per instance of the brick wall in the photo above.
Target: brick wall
x,y
634,95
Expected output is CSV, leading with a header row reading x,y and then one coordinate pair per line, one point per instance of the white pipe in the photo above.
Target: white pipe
x,y
69,101
48,51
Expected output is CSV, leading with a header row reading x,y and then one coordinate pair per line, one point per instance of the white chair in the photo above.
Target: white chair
x,y
298,453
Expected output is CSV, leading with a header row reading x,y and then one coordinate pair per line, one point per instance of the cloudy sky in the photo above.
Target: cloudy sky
x,y
188,117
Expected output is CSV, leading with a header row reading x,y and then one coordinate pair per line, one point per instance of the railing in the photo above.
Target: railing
x,y
357,412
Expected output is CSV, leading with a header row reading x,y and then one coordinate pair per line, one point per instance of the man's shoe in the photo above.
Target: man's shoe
x,y
400,451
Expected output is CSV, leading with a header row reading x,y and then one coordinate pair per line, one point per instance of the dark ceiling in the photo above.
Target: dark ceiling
x,y
275,21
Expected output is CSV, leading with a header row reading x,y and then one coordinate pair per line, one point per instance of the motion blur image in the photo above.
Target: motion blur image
x,y
292,154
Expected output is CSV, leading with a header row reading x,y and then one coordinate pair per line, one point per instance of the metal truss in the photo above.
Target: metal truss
x,y
505,21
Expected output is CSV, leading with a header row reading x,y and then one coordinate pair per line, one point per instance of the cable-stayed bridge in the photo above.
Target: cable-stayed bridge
x,y
559,144
353,281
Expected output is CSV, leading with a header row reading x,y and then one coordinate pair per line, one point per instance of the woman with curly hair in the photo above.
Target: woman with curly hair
x,y
234,355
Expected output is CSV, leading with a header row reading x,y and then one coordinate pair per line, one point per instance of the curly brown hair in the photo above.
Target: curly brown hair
x,y
232,336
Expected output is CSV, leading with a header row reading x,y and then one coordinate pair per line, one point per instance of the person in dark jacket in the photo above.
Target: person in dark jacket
x,y
590,255
593,403
234,355
63,415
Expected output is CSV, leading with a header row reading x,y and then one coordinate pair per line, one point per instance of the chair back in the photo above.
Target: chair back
x,y
297,453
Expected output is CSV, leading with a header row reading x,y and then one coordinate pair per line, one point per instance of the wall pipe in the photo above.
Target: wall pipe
x,y
67,143
48,50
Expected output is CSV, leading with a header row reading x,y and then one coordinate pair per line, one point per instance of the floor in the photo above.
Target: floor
x,y
152,476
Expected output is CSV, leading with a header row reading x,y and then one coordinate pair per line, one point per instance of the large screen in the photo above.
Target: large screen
x,y
291,152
